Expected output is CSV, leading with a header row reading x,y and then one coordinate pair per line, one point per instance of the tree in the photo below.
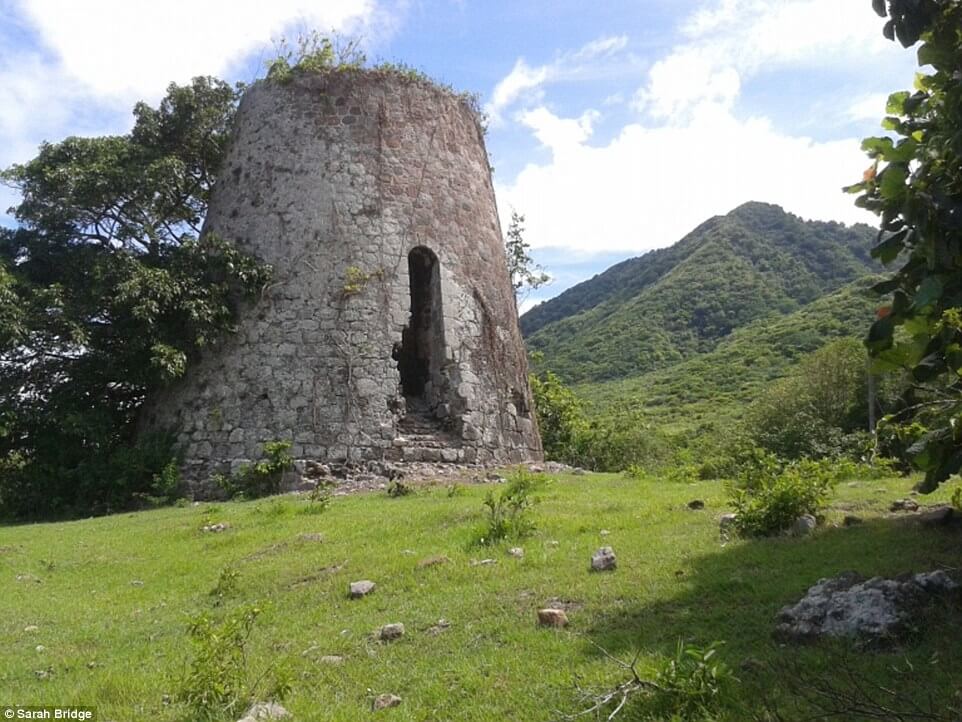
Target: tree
x,y
526,275
107,291
915,186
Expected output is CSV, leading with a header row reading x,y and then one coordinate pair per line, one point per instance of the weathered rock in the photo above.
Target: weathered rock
x,y
333,659
940,516
516,552
436,629
603,560
216,528
362,588
727,521
851,520
604,532
804,525
384,701
536,469
483,562
31,628
264,711
873,610
904,505
390,632
696,504
552,618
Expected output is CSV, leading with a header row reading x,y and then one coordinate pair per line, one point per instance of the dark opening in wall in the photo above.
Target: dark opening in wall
x,y
420,353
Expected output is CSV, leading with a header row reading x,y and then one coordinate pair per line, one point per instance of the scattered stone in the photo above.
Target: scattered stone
x,y
43,673
384,701
726,521
516,552
483,562
362,588
334,659
940,516
31,628
604,532
41,649
554,543
433,561
874,610
565,605
536,469
578,471
216,528
603,560
136,583
29,578
390,632
552,618
92,664
263,711
851,520
408,552
904,505
311,537
436,629
696,504
804,525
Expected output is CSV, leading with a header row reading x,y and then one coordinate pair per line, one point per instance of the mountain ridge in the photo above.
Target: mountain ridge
x,y
670,304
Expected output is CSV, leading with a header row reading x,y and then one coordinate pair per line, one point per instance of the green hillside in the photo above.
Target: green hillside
x,y
722,381
670,305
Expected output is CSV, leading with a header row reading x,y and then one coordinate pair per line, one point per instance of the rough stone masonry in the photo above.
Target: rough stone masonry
x,y
389,331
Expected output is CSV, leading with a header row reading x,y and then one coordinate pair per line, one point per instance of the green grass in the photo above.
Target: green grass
x,y
121,646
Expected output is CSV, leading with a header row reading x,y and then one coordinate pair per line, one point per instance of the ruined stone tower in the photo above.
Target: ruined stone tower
x,y
389,331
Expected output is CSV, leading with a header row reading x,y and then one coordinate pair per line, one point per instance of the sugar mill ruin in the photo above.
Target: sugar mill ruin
x,y
389,332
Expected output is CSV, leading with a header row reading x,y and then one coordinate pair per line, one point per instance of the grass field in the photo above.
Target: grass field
x,y
110,599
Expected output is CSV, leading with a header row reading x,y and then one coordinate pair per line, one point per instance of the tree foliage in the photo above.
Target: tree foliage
x,y
526,275
915,186
107,290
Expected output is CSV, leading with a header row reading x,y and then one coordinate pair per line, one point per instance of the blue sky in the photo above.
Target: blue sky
x,y
615,127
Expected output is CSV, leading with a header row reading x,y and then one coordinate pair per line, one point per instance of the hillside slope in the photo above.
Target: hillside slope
x,y
721,382
672,304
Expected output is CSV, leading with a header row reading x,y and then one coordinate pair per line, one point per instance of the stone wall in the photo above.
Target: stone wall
x,y
334,179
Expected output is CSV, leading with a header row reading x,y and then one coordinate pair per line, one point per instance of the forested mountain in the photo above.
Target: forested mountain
x,y
721,382
671,304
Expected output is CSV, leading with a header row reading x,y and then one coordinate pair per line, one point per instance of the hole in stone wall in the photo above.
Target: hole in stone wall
x,y
419,353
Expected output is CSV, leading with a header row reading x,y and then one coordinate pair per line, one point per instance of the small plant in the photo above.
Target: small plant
x,y
261,478
398,488
454,489
692,683
508,514
768,502
226,585
313,53
218,680
320,497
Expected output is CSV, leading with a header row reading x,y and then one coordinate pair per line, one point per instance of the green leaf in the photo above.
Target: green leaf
x,y
892,182
880,334
895,105
930,290
888,250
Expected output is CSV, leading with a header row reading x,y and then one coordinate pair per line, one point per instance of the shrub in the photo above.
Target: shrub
x,y
508,514
691,684
218,682
262,478
768,502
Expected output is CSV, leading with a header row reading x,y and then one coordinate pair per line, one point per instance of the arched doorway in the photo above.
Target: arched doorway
x,y
419,358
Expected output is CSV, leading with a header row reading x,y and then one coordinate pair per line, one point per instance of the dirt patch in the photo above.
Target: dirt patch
x,y
320,574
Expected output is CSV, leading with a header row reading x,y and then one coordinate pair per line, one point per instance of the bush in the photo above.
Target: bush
x,y
692,684
218,682
508,511
262,478
768,500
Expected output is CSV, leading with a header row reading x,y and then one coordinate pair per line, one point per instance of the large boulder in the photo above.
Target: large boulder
x,y
874,610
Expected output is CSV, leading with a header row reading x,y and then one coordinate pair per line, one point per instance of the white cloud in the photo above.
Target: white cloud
x,y
95,59
733,40
868,107
649,186
525,82
134,49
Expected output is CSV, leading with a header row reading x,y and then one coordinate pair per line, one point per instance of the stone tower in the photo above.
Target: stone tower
x,y
389,331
